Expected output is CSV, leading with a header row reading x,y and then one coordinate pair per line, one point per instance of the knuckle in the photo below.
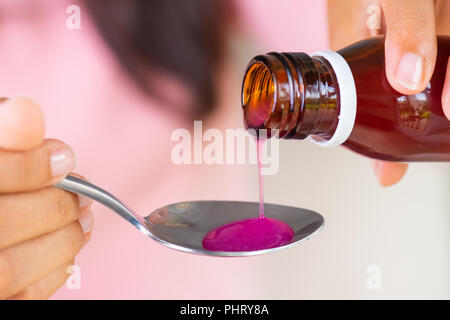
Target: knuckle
x,y
410,19
410,24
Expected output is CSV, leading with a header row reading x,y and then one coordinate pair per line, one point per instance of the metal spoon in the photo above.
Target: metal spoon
x,y
182,226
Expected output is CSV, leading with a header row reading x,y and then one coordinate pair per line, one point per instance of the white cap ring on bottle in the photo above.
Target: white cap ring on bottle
x,y
347,96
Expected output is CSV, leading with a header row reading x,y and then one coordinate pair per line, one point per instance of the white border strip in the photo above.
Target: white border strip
x,y
347,95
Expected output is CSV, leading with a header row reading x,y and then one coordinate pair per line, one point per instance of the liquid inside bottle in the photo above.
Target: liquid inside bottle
x,y
345,98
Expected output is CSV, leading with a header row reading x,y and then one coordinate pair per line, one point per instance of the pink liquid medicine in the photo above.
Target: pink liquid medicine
x,y
250,234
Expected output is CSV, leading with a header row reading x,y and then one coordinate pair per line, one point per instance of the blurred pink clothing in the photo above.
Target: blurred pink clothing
x,y
122,141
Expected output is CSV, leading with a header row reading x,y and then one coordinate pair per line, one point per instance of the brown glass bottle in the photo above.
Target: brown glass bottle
x,y
301,95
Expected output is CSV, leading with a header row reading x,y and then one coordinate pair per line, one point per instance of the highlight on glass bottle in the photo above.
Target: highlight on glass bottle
x,y
303,95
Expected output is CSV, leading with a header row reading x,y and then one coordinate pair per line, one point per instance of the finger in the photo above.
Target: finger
x,y
36,168
44,288
446,92
389,173
25,263
411,44
21,124
24,216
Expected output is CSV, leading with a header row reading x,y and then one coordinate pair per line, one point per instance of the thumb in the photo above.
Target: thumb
x,y
21,124
410,45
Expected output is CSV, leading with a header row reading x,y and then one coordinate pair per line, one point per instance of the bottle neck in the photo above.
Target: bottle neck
x,y
294,93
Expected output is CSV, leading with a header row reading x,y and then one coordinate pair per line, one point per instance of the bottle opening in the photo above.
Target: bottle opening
x,y
292,93
258,92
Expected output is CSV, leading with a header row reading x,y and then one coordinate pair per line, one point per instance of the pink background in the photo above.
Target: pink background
x,y
122,142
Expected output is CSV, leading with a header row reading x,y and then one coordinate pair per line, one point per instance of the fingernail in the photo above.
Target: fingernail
x,y
62,162
86,222
409,70
84,201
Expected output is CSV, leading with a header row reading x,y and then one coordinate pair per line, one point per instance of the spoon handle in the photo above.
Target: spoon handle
x,y
76,185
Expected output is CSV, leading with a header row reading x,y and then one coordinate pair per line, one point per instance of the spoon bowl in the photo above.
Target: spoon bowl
x,y
182,226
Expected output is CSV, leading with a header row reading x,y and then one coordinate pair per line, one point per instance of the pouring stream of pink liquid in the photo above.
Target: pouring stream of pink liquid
x,y
259,149
250,234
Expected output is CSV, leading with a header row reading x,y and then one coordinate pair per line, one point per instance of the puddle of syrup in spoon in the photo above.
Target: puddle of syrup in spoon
x,y
250,234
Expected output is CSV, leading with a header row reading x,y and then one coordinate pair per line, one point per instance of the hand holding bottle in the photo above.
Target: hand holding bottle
x,y
41,228
410,49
